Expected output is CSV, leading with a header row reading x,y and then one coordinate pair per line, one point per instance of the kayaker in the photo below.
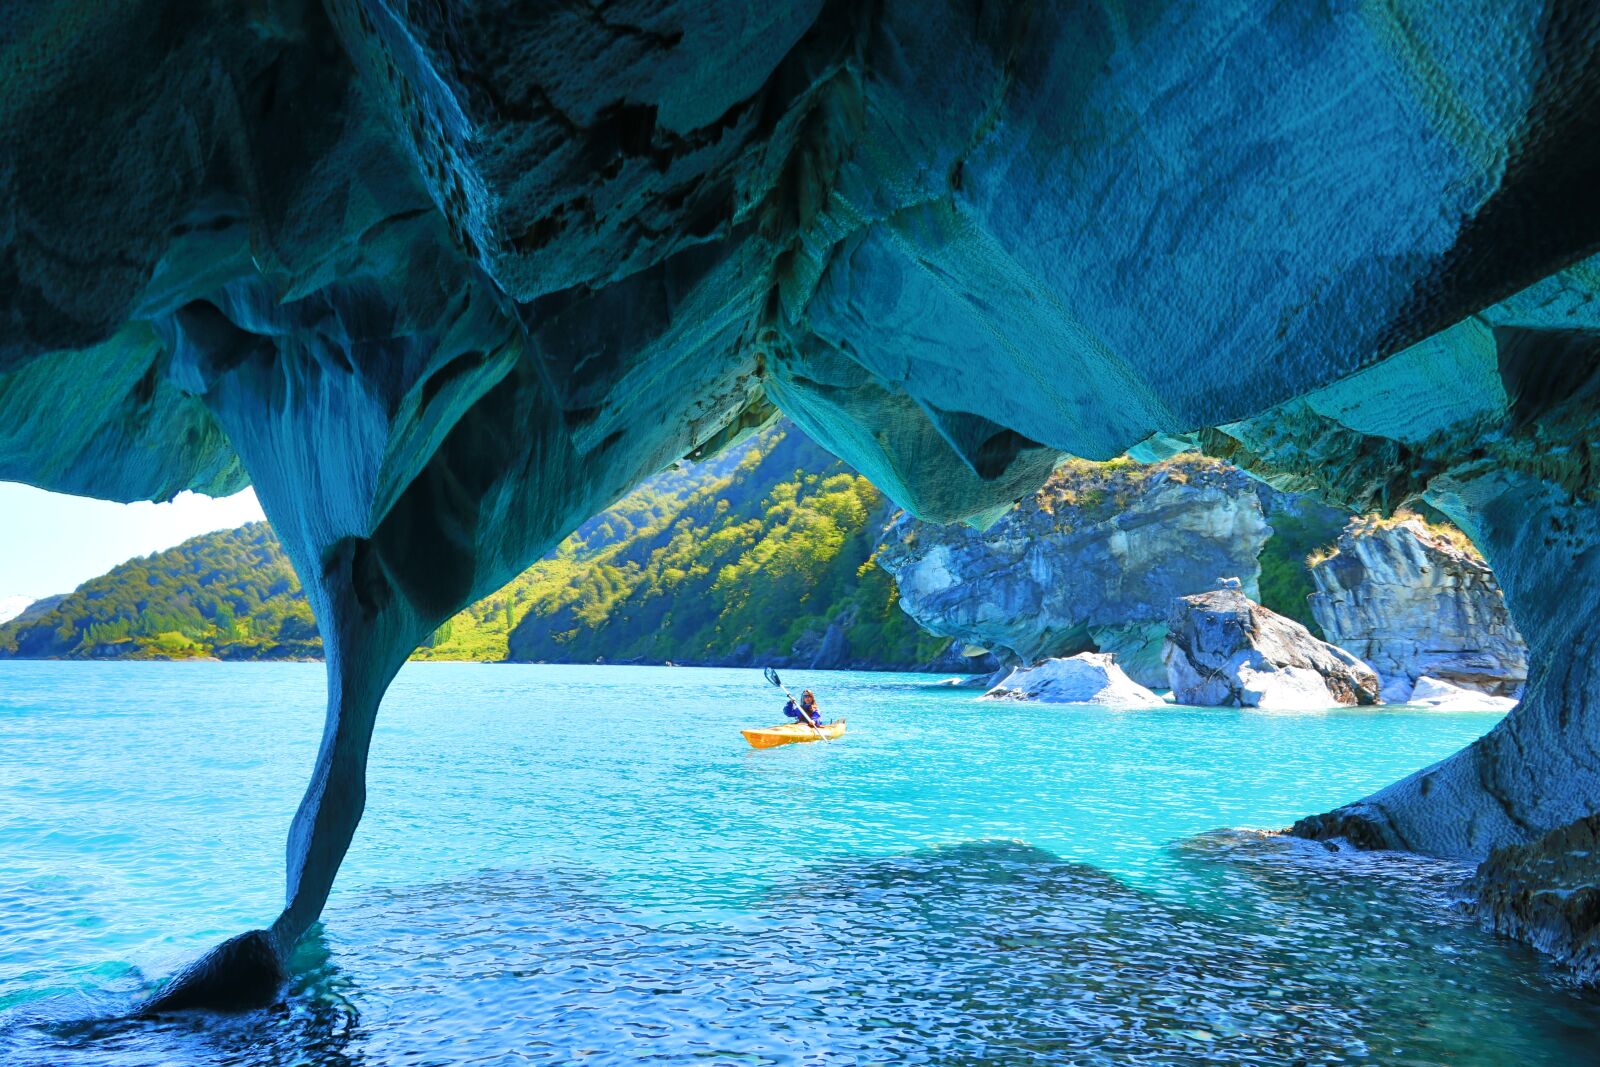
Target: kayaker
x,y
807,711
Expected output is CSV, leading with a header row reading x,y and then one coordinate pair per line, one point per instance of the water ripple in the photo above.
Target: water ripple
x,y
953,884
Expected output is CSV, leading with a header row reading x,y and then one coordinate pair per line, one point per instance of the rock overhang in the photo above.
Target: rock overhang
x,y
925,191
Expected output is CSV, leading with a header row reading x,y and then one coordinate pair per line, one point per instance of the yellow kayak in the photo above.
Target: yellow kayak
x,y
789,733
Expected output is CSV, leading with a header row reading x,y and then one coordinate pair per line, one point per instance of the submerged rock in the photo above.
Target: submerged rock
x,y
1442,696
1224,649
1087,678
1547,893
1088,563
1412,600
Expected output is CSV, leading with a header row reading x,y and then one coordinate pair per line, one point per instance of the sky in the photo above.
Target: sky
x,y
50,543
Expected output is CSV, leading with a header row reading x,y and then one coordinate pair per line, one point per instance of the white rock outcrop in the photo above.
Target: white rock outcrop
x,y
1412,600
1442,696
1224,649
1087,678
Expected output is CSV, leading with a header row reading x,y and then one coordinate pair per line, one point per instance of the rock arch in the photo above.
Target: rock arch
x,y
442,281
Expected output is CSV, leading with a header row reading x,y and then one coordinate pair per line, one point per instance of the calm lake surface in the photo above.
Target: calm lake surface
x,y
588,865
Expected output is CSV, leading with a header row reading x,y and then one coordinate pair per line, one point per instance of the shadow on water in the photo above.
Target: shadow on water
x,y
1254,949
1262,949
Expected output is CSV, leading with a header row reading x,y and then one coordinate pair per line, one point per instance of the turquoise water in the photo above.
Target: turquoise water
x,y
587,864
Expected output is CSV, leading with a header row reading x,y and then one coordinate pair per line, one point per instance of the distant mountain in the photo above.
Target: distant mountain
x,y
230,594
12,606
760,553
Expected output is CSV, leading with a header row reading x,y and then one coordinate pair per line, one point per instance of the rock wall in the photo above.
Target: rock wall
x,y
441,281
1088,563
1505,452
1411,601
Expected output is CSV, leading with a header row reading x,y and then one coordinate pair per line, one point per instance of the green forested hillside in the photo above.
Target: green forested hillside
x,y
766,558
759,552
230,594
1300,525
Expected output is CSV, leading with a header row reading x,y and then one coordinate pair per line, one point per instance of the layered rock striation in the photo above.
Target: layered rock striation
x,y
1413,601
1088,563
1224,649
443,281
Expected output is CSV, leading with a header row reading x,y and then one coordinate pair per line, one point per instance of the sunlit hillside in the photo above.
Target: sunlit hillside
x,y
756,554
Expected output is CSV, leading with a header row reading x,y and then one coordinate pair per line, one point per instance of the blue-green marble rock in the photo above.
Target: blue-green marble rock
x,y
442,280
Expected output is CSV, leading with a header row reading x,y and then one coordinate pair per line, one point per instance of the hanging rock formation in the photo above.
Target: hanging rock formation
x,y
442,280
1411,602
1088,563
1223,649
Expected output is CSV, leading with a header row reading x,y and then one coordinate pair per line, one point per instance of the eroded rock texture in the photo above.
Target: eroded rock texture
x,y
1412,603
1223,649
1547,892
1088,563
441,280
1505,450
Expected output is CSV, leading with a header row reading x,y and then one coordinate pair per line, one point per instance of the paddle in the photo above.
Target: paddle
x,y
772,676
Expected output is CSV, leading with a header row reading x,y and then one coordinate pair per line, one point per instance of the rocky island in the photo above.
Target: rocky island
x,y
1223,649
1089,564
442,288
1416,600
